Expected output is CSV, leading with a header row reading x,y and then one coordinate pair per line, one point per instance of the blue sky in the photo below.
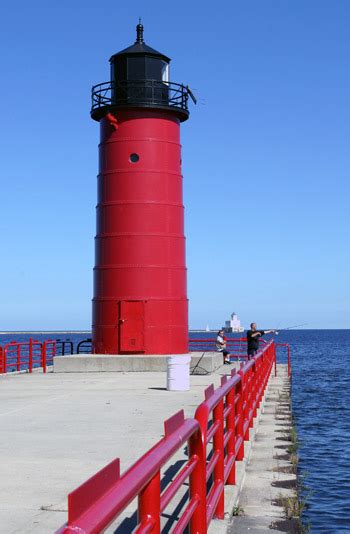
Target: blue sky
x,y
266,157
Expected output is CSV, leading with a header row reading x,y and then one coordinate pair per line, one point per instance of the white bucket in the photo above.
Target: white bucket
x,y
178,372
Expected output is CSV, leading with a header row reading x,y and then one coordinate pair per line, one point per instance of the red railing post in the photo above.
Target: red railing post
x,y
240,414
288,356
30,354
252,395
262,366
18,366
231,427
5,360
275,354
149,504
218,446
198,522
43,356
255,385
246,396
289,366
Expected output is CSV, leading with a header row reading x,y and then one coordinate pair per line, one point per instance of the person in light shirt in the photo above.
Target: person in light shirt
x,y
221,346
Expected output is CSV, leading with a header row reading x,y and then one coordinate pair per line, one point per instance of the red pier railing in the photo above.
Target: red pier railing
x,y
215,438
95,504
236,346
27,355
288,357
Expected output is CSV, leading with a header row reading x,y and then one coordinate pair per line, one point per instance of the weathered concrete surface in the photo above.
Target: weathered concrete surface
x,y
59,429
269,473
92,363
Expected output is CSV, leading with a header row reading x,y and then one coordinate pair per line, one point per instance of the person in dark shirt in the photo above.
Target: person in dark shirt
x,y
253,336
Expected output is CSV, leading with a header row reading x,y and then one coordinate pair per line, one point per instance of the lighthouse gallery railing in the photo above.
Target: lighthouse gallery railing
x,y
143,92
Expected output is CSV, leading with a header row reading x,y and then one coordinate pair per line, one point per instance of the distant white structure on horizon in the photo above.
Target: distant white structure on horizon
x,y
234,324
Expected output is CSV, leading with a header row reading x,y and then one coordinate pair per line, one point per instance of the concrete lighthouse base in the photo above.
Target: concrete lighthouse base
x,y
201,363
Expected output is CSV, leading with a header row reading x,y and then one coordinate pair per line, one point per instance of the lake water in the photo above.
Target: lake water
x,y
321,399
321,410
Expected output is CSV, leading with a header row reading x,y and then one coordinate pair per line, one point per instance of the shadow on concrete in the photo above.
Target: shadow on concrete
x,y
286,525
129,523
284,469
286,484
282,457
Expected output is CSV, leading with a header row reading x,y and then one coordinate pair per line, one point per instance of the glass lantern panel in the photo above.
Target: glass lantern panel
x,y
154,69
165,72
136,68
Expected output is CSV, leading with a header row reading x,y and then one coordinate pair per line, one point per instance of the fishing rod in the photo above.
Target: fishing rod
x,y
290,327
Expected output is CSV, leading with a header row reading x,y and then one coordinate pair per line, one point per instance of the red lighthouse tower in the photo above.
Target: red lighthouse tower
x,y
140,297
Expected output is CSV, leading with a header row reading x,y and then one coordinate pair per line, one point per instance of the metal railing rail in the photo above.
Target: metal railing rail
x,y
84,346
49,352
94,505
26,355
225,418
61,347
236,346
288,356
19,356
141,92
221,423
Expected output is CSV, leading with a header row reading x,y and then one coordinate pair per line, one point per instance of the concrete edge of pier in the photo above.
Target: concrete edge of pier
x,y
269,477
201,362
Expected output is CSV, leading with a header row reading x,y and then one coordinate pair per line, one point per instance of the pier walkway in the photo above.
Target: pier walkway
x,y
269,489
59,429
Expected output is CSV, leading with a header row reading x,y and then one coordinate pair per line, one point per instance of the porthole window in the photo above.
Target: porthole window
x,y
134,158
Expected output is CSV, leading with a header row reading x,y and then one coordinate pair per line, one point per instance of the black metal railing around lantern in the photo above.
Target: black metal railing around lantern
x,y
84,346
140,93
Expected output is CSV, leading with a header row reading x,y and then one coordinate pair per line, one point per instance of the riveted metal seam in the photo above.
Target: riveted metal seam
x,y
137,171
139,266
148,139
134,234
138,202
138,297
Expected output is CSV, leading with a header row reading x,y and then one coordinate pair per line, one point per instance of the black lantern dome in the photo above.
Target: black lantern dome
x,y
139,61
139,79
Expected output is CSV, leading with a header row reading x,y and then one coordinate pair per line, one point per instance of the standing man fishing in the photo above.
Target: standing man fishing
x,y
253,336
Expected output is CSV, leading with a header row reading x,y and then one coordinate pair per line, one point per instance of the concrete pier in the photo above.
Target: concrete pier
x,y
59,429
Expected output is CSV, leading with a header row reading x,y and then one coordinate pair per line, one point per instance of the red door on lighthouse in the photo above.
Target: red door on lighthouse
x,y
131,325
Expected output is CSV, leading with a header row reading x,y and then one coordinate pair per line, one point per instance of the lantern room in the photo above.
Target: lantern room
x,y
139,62
140,79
